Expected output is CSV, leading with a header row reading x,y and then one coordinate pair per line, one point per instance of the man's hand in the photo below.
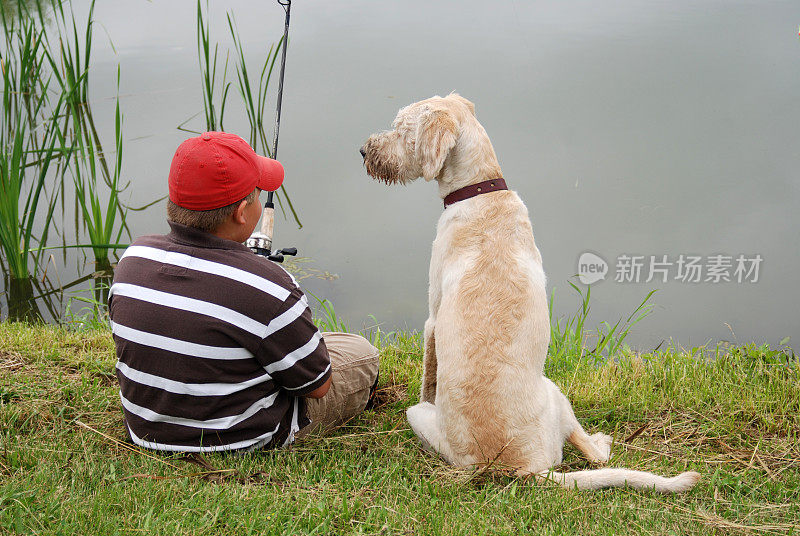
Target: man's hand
x,y
320,391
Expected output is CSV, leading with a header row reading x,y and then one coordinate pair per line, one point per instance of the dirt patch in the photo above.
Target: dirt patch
x,y
388,394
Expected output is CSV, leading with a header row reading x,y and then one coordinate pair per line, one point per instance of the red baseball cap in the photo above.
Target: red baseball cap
x,y
216,169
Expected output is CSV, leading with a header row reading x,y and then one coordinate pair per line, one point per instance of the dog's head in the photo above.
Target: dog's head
x,y
423,136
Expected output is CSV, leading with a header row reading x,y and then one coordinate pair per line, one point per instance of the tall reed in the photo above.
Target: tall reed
x,y
99,211
28,146
254,97
46,60
255,107
103,220
208,73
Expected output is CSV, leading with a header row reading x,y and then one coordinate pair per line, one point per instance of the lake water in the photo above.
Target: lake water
x,y
628,128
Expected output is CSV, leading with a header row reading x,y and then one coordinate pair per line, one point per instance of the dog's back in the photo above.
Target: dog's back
x,y
492,329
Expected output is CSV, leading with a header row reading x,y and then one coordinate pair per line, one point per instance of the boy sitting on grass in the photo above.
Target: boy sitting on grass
x,y
216,347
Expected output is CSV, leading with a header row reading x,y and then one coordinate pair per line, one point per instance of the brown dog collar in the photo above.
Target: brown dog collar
x,y
493,185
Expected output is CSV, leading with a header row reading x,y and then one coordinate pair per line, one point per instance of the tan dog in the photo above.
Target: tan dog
x,y
484,394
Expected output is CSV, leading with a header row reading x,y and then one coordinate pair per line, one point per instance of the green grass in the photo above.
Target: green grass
x,y
733,415
569,337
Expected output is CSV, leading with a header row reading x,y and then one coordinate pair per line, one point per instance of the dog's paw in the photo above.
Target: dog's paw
x,y
422,419
602,443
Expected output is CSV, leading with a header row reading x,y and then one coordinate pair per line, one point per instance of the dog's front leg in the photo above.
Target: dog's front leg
x,y
430,362
428,393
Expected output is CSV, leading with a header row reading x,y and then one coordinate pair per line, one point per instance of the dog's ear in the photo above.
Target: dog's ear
x,y
455,96
437,132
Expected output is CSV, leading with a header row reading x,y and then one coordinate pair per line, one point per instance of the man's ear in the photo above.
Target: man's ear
x,y
437,133
238,213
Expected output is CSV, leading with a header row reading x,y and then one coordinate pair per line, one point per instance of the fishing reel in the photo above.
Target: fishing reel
x,y
261,244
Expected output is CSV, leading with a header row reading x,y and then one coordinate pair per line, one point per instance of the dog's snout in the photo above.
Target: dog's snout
x,y
363,152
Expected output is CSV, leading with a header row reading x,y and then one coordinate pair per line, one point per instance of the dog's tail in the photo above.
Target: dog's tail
x,y
615,478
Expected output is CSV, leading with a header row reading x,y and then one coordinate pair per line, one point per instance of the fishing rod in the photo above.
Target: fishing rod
x,y
261,242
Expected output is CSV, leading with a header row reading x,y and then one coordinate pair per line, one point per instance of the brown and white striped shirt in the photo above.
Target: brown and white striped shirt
x,y
215,345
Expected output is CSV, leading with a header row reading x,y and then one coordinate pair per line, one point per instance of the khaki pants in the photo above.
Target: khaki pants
x,y
354,369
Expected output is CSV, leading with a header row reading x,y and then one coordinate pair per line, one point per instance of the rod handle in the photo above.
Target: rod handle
x,y
268,220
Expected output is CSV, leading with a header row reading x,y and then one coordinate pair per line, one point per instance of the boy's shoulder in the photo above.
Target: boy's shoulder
x,y
204,252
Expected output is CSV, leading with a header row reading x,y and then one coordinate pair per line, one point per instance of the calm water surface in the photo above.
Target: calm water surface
x,y
628,128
